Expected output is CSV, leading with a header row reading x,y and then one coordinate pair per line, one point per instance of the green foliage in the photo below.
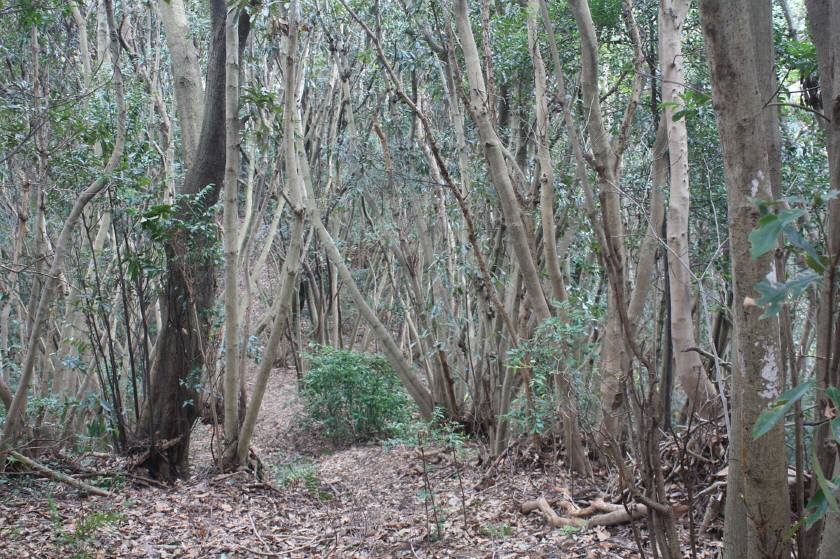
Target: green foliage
x,y
438,432
353,396
77,541
301,472
780,222
799,55
693,102
823,499
191,217
605,13
780,408
558,347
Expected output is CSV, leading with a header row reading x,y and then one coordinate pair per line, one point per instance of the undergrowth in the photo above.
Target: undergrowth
x,y
353,397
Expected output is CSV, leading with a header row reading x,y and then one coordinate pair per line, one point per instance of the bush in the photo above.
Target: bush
x,y
353,396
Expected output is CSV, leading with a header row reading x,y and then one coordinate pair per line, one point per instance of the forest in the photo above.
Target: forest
x,y
420,278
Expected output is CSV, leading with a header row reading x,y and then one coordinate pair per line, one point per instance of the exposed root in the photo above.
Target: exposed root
x,y
608,514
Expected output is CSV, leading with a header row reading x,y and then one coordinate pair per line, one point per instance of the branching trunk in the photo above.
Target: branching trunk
x,y
291,265
189,285
492,146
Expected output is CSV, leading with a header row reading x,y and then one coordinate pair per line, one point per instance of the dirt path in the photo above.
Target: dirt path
x,y
365,501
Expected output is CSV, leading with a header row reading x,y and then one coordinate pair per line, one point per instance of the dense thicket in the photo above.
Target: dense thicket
x,y
612,222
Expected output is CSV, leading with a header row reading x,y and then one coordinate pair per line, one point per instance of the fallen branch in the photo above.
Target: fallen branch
x,y
159,447
58,476
610,514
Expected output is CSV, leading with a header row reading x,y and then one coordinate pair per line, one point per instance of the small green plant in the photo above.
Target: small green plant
x,y
301,472
353,396
568,530
497,531
74,542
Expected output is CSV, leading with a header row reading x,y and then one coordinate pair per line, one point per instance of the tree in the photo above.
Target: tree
x,y
690,370
757,506
823,19
189,290
62,245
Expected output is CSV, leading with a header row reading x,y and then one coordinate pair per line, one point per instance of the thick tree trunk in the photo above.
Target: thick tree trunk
x,y
190,284
824,25
758,508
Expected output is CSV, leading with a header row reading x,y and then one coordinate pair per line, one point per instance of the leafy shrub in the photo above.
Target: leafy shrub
x,y
437,432
353,396
558,347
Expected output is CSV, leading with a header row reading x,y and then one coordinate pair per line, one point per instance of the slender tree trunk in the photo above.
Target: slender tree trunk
x,y
231,235
62,245
576,454
186,74
291,265
480,109
614,356
690,372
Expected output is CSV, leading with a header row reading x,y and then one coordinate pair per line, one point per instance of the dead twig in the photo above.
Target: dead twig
x,y
58,476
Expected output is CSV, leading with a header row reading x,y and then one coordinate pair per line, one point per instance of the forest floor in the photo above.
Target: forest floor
x,y
373,500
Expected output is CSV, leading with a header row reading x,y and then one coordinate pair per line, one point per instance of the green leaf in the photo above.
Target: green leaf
x,y
816,508
778,409
827,487
774,294
814,260
765,235
834,394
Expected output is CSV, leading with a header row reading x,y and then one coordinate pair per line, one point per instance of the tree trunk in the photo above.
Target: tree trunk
x,y
480,109
757,508
231,237
186,76
575,453
190,283
291,265
823,22
690,372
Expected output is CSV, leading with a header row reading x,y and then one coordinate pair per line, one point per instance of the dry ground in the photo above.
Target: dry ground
x,y
364,501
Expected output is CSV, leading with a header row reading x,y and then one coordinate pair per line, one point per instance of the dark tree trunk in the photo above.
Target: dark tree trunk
x,y
189,292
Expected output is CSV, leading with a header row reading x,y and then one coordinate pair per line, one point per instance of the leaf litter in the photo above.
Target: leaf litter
x,y
362,501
